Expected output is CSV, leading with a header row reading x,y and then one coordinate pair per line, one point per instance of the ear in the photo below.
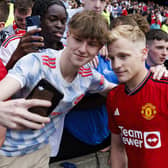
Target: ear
x,y
2,25
83,1
144,53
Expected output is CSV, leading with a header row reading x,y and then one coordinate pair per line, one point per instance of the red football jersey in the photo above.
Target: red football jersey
x,y
141,117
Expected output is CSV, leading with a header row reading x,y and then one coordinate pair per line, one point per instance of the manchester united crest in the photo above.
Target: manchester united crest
x,y
148,111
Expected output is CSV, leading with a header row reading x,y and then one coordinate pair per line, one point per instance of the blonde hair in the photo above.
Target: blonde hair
x,y
132,33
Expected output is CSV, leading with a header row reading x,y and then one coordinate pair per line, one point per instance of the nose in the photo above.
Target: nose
x,y
59,24
98,4
83,47
165,52
23,23
116,63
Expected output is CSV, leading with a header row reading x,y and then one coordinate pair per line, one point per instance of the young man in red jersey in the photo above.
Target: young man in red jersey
x,y
138,107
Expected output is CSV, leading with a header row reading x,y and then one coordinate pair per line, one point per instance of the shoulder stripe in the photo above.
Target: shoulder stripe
x,y
84,75
48,61
83,68
9,39
51,61
47,57
85,72
49,65
162,80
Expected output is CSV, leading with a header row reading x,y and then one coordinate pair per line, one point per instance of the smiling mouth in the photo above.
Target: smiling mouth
x,y
119,73
80,56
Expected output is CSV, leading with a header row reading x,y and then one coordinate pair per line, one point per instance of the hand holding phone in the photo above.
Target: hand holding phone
x,y
45,90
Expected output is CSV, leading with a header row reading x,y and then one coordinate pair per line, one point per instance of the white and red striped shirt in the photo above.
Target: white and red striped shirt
x,y
28,71
8,47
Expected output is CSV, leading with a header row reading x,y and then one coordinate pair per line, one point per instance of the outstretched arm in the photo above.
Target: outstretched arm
x,y
14,113
8,86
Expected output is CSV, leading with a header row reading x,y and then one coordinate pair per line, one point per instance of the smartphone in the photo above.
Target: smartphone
x,y
45,90
32,22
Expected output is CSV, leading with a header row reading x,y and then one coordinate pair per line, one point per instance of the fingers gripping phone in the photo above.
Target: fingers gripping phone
x,y
45,90
32,22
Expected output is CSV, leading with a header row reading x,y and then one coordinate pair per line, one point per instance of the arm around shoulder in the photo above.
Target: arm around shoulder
x,y
108,88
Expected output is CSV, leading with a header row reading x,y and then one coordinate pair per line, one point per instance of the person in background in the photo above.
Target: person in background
x,y
157,45
4,12
22,9
165,25
124,10
16,47
141,21
155,25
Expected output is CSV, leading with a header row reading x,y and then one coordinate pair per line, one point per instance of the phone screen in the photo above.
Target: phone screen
x,y
44,90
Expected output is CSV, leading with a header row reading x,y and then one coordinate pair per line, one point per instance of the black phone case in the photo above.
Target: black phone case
x,y
44,90
32,22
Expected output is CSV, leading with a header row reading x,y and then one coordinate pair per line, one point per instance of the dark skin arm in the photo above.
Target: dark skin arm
x,y
28,43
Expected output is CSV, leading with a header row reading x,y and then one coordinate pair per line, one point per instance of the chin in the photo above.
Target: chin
x,y
122,80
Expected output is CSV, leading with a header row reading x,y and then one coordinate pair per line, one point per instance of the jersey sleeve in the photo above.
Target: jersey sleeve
x,y
2,70
8,47
98,82
27,70
110,104
5,55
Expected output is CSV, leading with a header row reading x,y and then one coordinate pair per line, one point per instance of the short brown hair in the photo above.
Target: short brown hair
x,y
4,10
129,32
141,21
89,24
156,34
123,20
23,6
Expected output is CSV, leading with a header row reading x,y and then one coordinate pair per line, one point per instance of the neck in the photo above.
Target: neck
x,y
137,79
149,61
55,45
68,71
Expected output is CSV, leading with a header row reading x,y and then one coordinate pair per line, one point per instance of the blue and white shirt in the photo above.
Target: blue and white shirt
x,y
28,71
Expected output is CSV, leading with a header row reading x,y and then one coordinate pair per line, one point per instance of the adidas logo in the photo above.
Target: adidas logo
x,y
116,113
